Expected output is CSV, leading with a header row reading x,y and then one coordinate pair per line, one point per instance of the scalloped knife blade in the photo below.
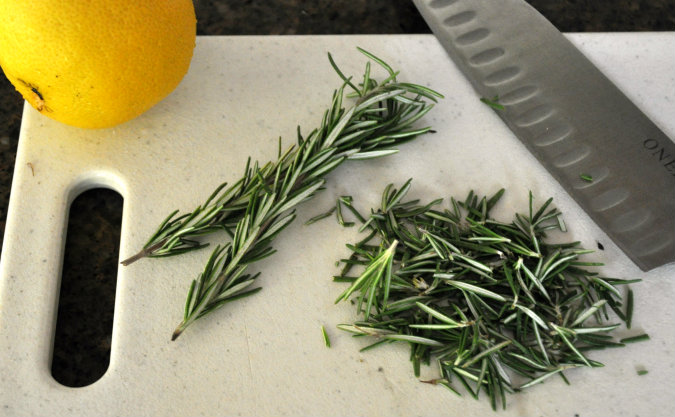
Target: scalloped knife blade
x,y
615,162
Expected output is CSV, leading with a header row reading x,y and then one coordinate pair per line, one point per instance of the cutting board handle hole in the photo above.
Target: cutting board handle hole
x,y
82,338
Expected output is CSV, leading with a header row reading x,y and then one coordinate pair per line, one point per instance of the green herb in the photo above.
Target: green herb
x,y
586,177
629,309
338,211
485,300
492,102
326,340
320,217
642,372
633,339
258,206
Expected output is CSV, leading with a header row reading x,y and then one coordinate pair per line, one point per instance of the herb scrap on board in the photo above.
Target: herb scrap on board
x,y
493,102
495,306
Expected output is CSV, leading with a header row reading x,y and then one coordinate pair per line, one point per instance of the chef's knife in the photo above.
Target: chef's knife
x,y
615,162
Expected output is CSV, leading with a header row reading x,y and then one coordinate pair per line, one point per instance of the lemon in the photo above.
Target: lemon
x,y
96,63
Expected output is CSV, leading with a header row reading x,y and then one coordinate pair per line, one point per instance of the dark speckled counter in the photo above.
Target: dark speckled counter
x,y
89,284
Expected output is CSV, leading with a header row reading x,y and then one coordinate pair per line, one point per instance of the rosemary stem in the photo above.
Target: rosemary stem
x,y
144,252
179,330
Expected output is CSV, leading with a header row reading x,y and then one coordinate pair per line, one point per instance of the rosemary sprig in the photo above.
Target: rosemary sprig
x,y
498,307
262,202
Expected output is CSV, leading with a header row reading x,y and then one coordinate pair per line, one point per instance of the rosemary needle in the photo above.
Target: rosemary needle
x,y
257,207
326,339
320,216
487,300
640,338
494,102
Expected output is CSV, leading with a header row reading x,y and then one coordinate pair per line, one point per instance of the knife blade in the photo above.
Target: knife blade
x,y
605,152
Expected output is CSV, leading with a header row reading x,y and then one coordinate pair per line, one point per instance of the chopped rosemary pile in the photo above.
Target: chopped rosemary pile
x,y
496,306
257,207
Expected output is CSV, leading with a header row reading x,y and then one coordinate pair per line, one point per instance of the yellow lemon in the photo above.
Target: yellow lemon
x,y
96,63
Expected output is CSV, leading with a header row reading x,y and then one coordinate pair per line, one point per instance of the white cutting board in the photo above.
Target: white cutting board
x,y
265,355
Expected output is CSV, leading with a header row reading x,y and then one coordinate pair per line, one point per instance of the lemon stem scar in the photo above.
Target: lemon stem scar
x,y
38,99
35,98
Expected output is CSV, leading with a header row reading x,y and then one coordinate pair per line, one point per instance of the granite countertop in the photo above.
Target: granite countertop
x,y
89,285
